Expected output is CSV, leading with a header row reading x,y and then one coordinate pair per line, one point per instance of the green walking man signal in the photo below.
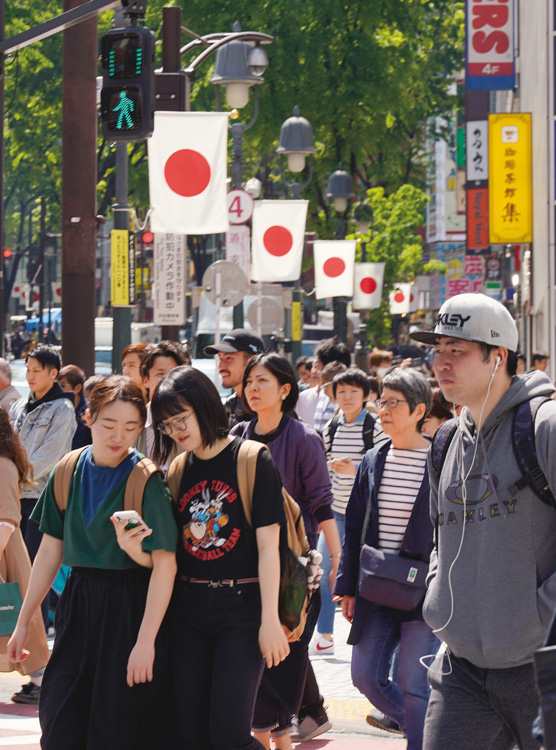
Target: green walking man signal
x,y
127,97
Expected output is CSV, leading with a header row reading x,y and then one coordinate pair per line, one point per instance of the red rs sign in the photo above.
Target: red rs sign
x,y
490,44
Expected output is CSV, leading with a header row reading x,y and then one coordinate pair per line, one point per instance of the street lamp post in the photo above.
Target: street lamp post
x,y
339,191
296,143
240,64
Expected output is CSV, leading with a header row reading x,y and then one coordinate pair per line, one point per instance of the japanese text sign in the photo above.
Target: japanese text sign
x,y
477,150
490,45
122,258
169,279
510,194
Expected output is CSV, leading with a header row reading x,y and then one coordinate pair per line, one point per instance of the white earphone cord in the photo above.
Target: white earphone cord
x,y
465,477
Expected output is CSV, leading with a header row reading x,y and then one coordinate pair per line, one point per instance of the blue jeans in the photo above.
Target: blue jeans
x,y
405,701
328,607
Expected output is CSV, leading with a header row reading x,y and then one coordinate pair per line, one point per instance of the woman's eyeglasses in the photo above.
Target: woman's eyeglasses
x,y
178,423
388,403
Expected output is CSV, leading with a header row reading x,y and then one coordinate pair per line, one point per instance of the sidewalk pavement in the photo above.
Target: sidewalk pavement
x,y
347,708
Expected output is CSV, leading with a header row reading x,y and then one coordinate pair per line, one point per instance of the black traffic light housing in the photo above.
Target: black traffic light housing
x,y
127,96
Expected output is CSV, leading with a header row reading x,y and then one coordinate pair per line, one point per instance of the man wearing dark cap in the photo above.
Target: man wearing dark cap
x,y
234,352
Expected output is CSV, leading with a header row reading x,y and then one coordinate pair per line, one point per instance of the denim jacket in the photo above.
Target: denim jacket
x,y
46,434
417,542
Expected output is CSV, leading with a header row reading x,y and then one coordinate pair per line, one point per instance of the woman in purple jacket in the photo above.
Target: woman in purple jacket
x,y
270,390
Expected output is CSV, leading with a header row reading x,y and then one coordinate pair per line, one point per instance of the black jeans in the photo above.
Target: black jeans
x,y
216,664
33,538
282,687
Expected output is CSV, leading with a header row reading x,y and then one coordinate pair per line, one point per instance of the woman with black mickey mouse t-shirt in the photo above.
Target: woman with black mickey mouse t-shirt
x,y
224,613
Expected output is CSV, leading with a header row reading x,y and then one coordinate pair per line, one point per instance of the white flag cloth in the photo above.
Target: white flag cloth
x,y
187,173
400,298
278,236
334,262
367,287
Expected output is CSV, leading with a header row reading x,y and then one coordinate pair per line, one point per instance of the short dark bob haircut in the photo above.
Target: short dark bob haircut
x,y
185,387
352,376
116,388
282,371
413,386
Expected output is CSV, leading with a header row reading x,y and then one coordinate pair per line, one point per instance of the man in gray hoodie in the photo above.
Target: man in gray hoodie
x,y
492,582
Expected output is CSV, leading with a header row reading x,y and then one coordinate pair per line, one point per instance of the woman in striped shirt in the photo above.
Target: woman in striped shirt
x,y
393,479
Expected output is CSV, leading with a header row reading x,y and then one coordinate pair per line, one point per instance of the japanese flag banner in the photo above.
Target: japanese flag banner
x,y
334,262
187,173
367,287
400,299
277,243
56,292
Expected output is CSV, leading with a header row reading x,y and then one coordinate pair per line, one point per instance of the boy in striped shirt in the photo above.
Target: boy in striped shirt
x,y
347,437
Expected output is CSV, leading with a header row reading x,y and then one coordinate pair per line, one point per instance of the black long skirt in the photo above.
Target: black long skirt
x,y
85,701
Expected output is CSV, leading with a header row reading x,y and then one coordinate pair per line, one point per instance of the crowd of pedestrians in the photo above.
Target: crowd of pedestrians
x,y
434,523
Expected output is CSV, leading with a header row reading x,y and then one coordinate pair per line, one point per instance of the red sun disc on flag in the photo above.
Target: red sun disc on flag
x,y
399,297
411,297
36,297
59,291
367,285
334,267
187,172
278,241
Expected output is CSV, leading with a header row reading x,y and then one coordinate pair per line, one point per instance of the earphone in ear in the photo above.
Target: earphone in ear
x,y
498,360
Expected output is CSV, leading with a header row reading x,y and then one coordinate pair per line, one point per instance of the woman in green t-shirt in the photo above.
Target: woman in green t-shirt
x,y
103,686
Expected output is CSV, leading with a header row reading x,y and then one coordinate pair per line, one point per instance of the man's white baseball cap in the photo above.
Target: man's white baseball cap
x,y
473,317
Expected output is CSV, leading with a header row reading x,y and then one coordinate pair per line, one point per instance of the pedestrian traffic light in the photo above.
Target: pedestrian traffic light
x,y
127,96
7,253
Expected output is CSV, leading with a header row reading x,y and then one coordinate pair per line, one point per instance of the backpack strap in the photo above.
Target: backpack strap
x,y
368,431
332,429
173,478
136,482
441,443
246,469
525,452
62,477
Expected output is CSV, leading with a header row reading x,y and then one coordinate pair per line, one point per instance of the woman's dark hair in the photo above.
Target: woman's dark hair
x,y
12,448
187,387
413,386
352,376
282,371
333,350
73,374
441,409
116,388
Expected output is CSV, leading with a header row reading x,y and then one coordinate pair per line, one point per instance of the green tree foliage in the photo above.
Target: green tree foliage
x,y
392,240
366,74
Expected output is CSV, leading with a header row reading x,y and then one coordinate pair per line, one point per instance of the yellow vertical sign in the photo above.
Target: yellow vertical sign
x,y
510,175
119,256
296,321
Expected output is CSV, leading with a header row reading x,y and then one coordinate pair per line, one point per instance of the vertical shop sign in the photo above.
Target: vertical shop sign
x,y
510,193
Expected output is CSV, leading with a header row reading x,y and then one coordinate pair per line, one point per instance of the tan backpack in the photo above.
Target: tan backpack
x,y
297,538
134,489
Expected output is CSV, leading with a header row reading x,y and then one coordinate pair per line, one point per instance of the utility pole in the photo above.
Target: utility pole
x,y
170,88
79,178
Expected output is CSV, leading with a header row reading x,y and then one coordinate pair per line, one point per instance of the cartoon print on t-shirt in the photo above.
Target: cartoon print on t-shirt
x,y
208,520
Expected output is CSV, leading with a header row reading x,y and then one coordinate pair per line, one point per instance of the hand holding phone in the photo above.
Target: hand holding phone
x,y
132,517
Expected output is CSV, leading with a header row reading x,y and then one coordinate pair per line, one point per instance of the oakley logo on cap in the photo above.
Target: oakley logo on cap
x,y
453,320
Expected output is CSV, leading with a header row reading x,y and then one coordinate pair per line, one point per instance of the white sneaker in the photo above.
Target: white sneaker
x,y
321,647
